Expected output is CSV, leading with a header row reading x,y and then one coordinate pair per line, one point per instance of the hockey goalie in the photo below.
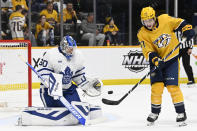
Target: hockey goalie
x,y
63,72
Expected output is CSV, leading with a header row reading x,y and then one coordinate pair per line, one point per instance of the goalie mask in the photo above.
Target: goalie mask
x,y
67,46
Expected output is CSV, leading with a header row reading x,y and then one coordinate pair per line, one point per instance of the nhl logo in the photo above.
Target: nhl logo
x,y
135,61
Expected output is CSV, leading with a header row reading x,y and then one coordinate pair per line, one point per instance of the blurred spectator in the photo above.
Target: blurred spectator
x,y
69,14
50,13
44,32
57,4
6,5
89,30
38,5
3,34
32,37
6,10
26,30
25,13
112,32
17,24
19,2
45,1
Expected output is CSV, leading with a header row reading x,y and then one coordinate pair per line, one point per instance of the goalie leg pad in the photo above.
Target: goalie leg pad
x,y
95,112
42,116
90,112
46,116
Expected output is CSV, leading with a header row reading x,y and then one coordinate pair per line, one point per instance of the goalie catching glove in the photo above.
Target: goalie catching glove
x,y
92,87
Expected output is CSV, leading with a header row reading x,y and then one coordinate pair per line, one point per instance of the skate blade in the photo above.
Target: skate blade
x,y
180,124
191,86
150,123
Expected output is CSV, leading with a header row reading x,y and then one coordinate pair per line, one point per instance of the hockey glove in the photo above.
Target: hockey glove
x,y
55,85
188,32
158,62
92,87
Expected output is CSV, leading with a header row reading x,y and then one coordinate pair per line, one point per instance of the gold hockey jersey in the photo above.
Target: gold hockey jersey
x,y
111,29
19,2
50,16
162,38
39,28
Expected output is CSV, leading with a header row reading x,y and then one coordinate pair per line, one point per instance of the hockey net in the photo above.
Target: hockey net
x,y
15,75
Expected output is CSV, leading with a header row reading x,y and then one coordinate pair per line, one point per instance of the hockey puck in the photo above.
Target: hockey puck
x,y
110,92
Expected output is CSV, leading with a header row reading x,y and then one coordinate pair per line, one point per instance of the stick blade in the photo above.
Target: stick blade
x,y
110,102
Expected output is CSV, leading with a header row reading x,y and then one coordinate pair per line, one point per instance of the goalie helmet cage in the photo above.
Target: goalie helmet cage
x,y
15,48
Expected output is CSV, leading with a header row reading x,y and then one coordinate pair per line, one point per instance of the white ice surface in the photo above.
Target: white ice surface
x,y
129,115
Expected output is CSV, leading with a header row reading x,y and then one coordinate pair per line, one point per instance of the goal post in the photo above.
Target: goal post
x,y
14,74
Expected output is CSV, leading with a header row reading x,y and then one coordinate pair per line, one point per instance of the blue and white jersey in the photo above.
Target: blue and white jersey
x,y
54,61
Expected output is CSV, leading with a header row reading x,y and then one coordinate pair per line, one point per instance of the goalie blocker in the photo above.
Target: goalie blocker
x,y
45,116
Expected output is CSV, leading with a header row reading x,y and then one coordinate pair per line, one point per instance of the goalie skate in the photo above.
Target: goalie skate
x,y
152,118
181,118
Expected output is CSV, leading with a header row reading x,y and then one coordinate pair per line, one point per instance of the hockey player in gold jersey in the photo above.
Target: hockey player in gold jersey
x,y
157,39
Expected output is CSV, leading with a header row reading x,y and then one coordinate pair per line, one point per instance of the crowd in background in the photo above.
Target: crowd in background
x,y
46,19
111,26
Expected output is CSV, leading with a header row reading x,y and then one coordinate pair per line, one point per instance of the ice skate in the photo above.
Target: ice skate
x,y
181,118
152,118
191,84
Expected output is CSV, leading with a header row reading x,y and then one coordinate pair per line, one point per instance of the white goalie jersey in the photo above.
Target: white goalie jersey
x,y
72,70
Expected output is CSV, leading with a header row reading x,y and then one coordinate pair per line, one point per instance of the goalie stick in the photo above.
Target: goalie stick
x,y
113,102
75,113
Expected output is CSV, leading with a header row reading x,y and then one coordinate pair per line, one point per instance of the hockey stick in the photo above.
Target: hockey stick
x,y
75,113
112,102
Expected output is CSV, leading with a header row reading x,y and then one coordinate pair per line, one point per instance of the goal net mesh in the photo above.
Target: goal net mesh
x,y
15,75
